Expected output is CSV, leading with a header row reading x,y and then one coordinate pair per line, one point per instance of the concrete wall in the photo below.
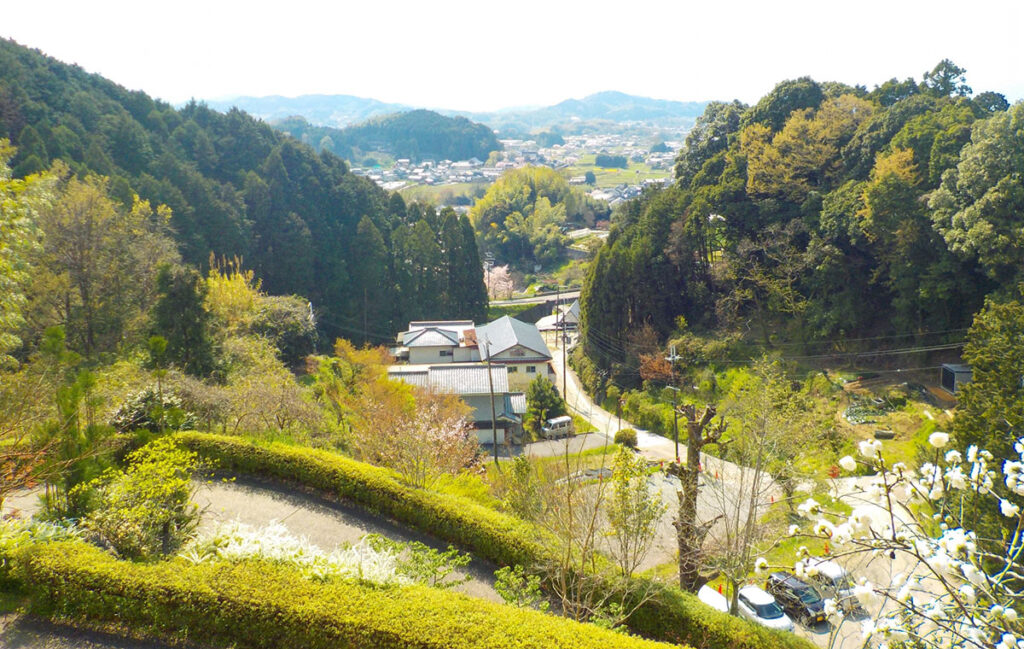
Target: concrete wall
x,y
431,355
519,379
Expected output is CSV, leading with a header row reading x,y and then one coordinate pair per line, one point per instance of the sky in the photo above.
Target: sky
x,y
484,55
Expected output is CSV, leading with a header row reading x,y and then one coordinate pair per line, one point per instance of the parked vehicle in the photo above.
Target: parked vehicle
x,y
713,598
833,582
558,427
797,598
758,606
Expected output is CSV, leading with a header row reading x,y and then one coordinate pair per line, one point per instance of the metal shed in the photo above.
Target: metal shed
x,y
953,376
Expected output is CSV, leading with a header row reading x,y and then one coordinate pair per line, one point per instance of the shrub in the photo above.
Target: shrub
x,y
626,437
146,510
152,410
257,605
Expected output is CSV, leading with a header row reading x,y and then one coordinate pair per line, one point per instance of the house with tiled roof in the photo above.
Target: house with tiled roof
x,y
470,382
518,346
509,342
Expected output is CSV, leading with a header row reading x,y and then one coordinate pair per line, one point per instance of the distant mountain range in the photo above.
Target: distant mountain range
x,y
342,110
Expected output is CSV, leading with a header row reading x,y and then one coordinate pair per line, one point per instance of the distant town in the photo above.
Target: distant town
x,y
648,167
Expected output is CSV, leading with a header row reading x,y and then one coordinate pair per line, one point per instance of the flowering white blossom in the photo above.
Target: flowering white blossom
x,y
809,507
954,589
1008,509
967,592
848,463
870,448
794,530
761,566
955,478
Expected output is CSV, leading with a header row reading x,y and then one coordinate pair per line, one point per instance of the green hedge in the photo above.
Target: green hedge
x,y
672,615
262,605
489,534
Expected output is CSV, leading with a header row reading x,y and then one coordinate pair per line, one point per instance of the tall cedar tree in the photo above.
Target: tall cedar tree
x,y
180,318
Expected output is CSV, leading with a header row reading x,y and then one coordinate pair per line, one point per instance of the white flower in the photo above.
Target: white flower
x,y
865,594
867,628
842,534
848,463
953,457
830,608
1008,641
967,592
823,528
809,507
870,448
794,530
955,478
1008,509
1010,614
972,574
761,566
860,520
938,439
972,453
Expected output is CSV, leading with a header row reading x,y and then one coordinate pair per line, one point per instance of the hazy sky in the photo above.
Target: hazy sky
x,y
483,55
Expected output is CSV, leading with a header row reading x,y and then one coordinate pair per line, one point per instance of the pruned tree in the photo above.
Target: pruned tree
x,y
701,431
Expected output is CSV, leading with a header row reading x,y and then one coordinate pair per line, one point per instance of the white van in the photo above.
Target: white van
x,y
558,427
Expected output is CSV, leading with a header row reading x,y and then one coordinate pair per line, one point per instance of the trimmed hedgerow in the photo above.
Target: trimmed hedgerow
x,y
264,606
489,534
671,615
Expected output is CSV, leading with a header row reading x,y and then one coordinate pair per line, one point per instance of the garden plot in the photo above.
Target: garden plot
x,y
324,523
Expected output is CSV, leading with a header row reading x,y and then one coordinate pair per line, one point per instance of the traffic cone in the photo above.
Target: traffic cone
x,y
719,589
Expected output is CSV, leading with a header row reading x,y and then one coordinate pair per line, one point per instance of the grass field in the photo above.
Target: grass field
x,y
634,174
442,194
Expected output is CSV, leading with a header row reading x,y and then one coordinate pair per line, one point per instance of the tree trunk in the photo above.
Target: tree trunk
x,y
689,534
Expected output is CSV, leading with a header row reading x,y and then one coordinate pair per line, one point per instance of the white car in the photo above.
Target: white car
x,y
713,598
758,606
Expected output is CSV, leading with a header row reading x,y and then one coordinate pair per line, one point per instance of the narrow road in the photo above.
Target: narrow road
x,y
653,447
724,485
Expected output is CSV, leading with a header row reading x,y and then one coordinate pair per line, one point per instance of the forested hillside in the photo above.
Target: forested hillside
x,y
235,187
821,213
416,134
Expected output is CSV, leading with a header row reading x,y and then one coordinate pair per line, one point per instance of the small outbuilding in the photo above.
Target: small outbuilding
x,y
953,376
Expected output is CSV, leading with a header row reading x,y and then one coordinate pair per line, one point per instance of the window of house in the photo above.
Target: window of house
x,y
513,370
517,352
446,352
531,369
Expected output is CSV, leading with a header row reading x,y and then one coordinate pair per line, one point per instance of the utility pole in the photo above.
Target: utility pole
x,y
560,332
672,358
494,418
